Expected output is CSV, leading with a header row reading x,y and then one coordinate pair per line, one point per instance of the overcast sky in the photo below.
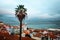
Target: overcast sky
x,y
35,8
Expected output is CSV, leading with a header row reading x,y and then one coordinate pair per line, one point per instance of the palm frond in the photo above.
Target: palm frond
x,y
21,8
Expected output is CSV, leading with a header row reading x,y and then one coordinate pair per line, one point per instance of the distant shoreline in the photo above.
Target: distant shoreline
x,y
52,29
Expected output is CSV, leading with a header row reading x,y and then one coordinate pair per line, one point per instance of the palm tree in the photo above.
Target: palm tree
x,y
21,13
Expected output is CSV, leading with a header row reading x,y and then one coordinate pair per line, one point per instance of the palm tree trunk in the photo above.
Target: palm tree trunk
x,y
20,30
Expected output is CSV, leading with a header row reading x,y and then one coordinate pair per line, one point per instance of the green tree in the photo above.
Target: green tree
x,y
21,14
